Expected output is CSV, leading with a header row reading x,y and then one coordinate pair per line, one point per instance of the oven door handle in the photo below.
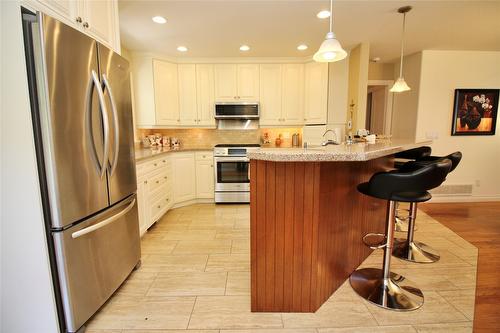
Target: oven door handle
x,y
231,159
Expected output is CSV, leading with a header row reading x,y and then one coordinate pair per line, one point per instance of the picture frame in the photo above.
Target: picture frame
x,y
475,112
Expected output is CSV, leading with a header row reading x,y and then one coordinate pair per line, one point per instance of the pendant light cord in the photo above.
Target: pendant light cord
x,y
331,15
402,46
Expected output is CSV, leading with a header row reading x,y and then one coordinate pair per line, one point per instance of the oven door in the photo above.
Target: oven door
x,y
232,174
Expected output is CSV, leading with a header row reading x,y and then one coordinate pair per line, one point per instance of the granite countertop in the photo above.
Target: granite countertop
x,y
355,152
143,153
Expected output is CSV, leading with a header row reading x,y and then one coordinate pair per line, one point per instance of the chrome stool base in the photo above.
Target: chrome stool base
x,y
394,293
414,251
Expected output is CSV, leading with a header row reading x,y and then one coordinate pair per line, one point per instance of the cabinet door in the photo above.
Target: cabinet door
x,y
204,179
187,94
205,94
143,205
99,20
166,93
248,82
226,82
270,94
316,92
293,94
184,177
65,10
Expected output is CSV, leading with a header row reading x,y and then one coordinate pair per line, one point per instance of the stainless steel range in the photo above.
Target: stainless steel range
x,y
232,172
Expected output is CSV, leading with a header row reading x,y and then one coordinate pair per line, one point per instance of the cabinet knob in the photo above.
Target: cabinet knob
x,y
164,161
159,206
145,182
178,120
85,25
155,164
165,177
78,19
157,182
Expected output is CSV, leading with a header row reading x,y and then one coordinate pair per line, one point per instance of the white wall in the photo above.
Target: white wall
x,y
405,107
441,73
27,302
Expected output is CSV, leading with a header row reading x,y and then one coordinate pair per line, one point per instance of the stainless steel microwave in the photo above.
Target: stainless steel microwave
x,y
237,110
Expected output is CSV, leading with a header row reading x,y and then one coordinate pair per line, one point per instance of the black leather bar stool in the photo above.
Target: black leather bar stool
x,y
381,286
402,214
408,249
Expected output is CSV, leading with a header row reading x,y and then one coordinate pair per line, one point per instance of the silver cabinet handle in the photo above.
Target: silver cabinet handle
x,y
78,19
85,24
103,223
116,124
105,122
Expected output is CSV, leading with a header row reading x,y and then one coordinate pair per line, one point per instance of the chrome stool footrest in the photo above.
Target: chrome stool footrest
x,y
395,293
379,243
414,251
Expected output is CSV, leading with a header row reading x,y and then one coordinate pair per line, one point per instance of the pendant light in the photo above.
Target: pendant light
x,y
400,84
330,50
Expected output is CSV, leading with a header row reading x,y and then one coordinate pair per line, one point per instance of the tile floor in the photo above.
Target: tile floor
x,y
195,277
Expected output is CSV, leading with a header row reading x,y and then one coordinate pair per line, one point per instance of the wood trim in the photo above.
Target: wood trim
x,y
307,221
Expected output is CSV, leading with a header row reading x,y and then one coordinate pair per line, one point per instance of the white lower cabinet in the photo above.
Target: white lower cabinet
x,y
176,178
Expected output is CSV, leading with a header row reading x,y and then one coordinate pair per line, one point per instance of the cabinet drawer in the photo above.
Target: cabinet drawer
x,y
204,156
158,180
151,166
159,206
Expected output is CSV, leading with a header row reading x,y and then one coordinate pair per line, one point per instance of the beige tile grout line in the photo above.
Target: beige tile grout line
x,y
225,286
192,310
453,306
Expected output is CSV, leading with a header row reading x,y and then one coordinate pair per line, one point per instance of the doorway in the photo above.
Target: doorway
x,y
379,107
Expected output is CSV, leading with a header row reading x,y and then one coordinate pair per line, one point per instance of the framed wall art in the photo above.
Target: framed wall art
x,y
475,111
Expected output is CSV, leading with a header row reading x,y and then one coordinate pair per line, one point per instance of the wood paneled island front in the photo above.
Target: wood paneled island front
x,y
307,220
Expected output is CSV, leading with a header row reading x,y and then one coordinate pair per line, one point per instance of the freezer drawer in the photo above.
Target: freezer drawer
x,y
94,258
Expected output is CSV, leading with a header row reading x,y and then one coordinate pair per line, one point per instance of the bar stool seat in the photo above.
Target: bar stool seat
x,y
408,249
381,286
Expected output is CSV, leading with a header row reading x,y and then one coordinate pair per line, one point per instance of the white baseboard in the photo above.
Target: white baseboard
x,y
467,198
192,202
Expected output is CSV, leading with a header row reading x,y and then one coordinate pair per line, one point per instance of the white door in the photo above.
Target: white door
x,y
166,93
99,19
226,82
248,82
205,94
187,94
204,179
270,94
67,9
316,92
293,94
184,177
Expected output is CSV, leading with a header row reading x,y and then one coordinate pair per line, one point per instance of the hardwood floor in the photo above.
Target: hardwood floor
x,y
478,223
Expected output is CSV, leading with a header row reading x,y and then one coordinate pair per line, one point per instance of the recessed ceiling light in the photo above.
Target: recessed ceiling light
x,y
244,48
302,47
323,14
182,48
159,19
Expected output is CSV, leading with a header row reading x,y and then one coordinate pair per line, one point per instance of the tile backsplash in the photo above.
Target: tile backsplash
x,y
202,137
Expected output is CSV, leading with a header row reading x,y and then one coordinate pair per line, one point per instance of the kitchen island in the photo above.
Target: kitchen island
x,y
307,220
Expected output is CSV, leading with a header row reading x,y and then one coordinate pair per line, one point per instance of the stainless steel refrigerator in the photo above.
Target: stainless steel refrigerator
x,y
82,121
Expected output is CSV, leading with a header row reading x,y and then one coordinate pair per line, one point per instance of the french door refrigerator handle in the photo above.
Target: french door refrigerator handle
x,y
103,223
105,123
115,120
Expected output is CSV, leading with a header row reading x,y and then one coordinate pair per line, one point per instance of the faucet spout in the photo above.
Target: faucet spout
x,y
330,142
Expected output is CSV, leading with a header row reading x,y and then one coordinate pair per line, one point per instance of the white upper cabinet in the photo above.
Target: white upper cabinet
x,y
98,19
166,93
205,94
236,82
226,82
248,82
188,113
293,94
281,94
270,94
316,93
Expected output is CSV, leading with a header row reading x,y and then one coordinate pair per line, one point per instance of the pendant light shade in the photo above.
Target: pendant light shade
x,y
400,85
330,50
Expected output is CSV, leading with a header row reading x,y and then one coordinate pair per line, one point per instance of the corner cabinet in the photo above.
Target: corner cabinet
x,y
98,19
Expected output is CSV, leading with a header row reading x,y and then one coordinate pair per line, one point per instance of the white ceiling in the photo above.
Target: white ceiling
x,y
276,28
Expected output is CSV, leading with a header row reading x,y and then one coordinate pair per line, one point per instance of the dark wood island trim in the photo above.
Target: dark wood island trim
x,y
307,222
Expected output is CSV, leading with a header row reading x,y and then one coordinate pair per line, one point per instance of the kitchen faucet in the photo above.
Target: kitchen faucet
x,y
329,142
